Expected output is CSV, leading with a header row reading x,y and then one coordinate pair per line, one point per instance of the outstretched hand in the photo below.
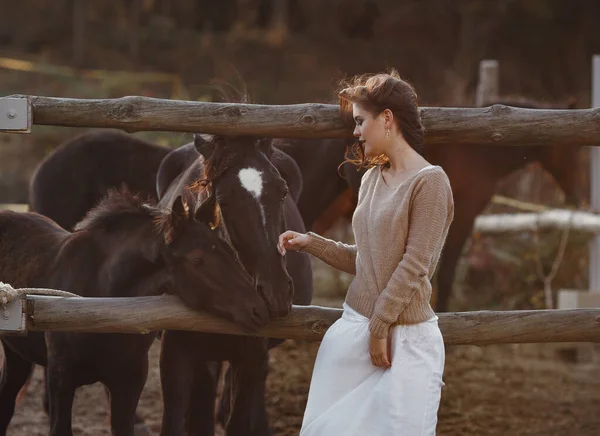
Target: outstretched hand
x,y
290,240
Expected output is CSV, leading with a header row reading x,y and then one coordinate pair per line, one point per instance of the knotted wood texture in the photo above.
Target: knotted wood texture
x,y
488,126
146,314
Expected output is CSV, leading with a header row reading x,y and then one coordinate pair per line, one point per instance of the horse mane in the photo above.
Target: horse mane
x,y
116,205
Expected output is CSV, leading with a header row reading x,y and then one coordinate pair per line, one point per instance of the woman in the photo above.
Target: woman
x,y
379,368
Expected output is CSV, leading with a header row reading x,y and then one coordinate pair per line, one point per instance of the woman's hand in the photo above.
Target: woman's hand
x,y
379,349
290,240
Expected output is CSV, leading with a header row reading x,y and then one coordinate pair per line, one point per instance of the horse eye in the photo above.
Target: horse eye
x,y
195,257
285,194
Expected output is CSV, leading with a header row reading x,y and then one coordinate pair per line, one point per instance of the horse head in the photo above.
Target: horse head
x,y
147,249
244,198
202,266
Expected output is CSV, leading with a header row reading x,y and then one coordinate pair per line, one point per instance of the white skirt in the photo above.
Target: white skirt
x,y
349,396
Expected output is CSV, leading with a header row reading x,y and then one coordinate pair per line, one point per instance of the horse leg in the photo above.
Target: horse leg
x,y
61,393
46,392
140,428
249,414
125,386
200,415
224,410
176,374
15,373
460,230
455,241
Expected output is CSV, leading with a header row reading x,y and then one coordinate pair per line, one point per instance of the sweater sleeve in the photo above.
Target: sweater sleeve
x,y
337,254
431,211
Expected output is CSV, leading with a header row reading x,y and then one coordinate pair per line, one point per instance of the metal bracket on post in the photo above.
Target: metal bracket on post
x,y
13,318
15,115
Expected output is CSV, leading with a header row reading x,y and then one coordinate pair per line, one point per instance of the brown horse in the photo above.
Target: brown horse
x,y
474,173
246,199
322,183
125,247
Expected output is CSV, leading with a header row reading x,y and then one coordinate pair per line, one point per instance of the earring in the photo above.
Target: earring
x,y
387,133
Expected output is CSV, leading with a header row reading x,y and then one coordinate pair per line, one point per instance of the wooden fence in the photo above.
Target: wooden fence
x,y
146,314
495,125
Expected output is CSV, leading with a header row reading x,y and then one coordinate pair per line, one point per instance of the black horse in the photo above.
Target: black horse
x,y
103,173
178,160
124,247
246,196
76,175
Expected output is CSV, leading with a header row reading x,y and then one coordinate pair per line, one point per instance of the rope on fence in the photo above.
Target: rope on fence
x,y
547,279
8,293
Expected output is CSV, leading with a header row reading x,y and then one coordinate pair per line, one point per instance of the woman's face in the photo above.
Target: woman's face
x,y
370,131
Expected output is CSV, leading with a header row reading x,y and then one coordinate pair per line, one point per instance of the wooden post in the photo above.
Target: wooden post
x,y
134,32
78,32
487,88
594,265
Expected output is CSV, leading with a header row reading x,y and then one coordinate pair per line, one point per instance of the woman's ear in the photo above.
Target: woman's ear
x,y
388,118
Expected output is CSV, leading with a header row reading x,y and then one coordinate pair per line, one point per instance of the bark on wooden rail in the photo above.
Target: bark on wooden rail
x,y
494,125
144,314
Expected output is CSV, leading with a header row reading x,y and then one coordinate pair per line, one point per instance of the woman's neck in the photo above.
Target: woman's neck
x,y
403,157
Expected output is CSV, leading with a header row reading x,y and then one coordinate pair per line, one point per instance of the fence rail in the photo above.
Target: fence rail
x,y
494,125
145,314
550,219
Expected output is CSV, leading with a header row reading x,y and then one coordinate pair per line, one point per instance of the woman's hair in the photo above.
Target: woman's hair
x,y
375,93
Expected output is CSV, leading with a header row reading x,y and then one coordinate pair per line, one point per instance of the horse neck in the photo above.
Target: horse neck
x,y
116,262
508,161
135,266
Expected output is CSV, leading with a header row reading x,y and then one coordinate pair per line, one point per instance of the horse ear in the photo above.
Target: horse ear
x,y
180,211
204,144
265,145
206,212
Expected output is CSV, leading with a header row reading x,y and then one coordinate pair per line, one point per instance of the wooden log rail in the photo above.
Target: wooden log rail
x,y
494,125
145,314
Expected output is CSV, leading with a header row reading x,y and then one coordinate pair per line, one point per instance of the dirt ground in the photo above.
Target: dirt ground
x,y
493,390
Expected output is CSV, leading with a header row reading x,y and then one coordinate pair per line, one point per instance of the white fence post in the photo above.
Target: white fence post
x,y
575,299
487,87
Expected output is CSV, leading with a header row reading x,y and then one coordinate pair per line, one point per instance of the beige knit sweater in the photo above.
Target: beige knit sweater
x,y
399,233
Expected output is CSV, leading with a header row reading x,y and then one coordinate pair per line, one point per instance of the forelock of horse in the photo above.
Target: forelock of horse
x,y
114,206
220,161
